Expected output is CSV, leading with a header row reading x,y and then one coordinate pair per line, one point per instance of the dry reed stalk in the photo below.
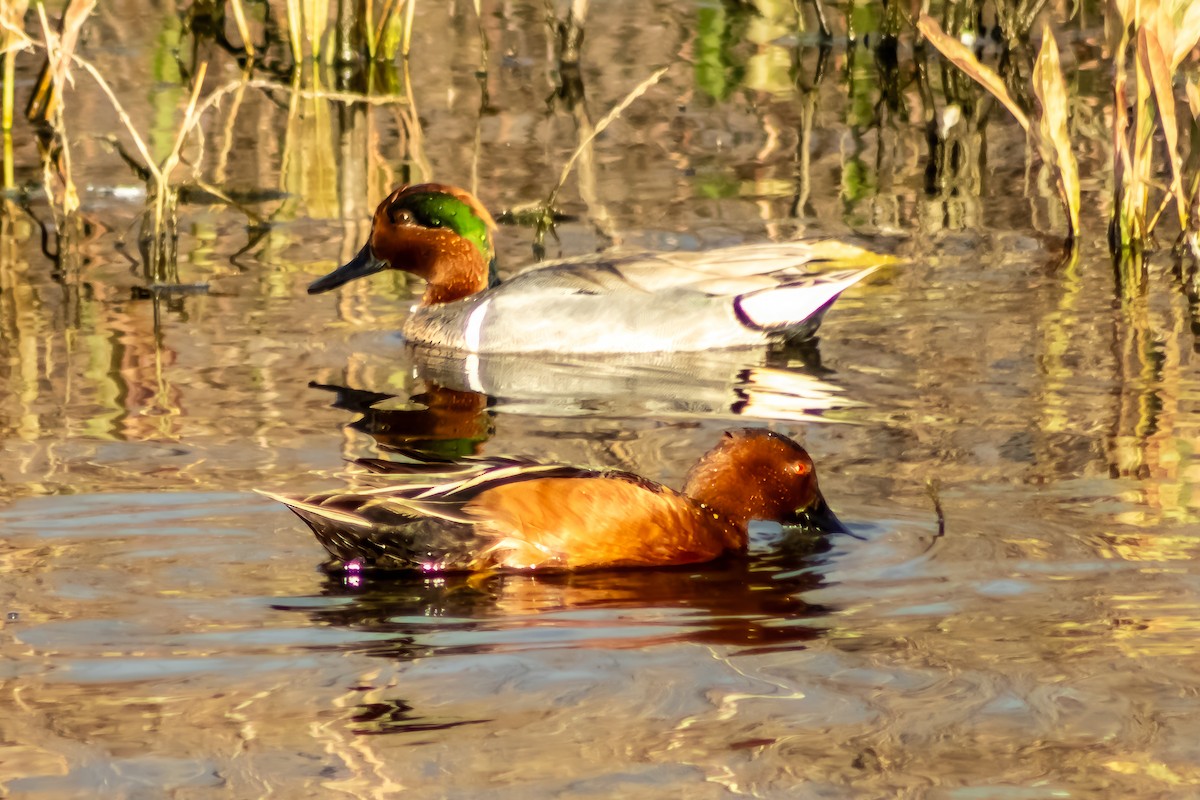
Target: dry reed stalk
x,y
59,71
410,8
1120,235
159,173
295,21
607,120
1051,91
87,66
1141,156
1172,33
239,19
601,218
316,16
42,101
10,74
411,122
285,156
1192,90
368,14
227,138
484,96
1051,137
958,54
1164,34
122,114
484,49
13,12
163,196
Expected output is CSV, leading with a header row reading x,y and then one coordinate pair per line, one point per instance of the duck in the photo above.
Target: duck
x,y
743,296
487,513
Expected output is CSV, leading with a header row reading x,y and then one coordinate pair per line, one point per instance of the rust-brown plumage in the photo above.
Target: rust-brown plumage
x,y
440,233
520,514
452,266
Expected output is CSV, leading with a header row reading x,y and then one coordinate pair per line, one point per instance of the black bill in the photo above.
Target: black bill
x,y
362,265
820,517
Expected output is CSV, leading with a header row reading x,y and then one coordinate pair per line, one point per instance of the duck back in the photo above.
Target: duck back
x,y
677,302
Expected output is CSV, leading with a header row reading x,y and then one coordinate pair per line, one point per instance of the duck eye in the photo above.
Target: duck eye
x,y
400,216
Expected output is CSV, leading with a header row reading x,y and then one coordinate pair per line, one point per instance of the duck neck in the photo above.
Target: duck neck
x,y
458,271
733,524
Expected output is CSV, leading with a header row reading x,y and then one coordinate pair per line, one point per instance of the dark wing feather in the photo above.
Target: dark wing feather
x,y
411,516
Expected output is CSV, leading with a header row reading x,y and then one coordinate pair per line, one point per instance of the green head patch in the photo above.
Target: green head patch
x,y
436,209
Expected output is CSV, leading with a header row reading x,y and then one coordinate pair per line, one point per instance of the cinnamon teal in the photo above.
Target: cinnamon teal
x,y
519,514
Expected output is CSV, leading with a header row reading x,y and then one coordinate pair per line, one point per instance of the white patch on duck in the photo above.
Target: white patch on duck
x,y
475,326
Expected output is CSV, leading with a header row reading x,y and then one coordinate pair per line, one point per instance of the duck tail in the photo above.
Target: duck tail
x,y
411,535
795,309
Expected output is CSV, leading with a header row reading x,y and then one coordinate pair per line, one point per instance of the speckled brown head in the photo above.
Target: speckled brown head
x,y
440,233
756,474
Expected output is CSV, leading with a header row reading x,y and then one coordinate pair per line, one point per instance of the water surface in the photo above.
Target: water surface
x,y
168,631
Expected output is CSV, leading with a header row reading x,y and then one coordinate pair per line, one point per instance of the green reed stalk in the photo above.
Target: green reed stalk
x,y
10,65
13,14
376,42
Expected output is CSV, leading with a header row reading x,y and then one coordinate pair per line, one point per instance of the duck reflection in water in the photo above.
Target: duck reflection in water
x,y
753,602
753,605
452,411
786,383
434,423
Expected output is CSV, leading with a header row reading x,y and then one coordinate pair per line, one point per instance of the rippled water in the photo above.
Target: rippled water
x,y
168,631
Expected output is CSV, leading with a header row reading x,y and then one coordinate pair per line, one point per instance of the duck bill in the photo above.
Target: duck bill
x,y
362,265
820,517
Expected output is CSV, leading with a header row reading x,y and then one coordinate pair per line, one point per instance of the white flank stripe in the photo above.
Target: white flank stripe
x,y
471,363
475,326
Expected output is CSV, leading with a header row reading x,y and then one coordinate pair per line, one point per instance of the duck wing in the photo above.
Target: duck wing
x,y
719,313
659,302
413,516
727,271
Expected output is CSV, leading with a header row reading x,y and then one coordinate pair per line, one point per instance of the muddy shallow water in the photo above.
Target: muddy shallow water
x,y
168,631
